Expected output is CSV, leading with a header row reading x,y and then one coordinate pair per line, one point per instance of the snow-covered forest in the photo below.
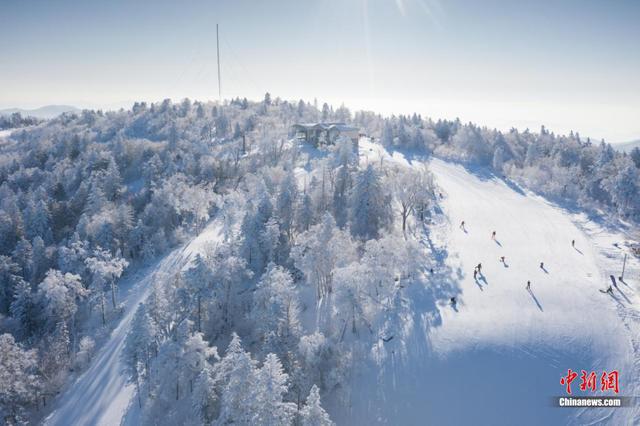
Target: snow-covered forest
x,y
16,120
319,252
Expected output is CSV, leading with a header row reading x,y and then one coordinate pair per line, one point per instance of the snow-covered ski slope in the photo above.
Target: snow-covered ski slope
x,y
497,359
102,395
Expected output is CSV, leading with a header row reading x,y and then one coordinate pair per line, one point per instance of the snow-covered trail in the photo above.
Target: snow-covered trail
x,y
498,358
102,394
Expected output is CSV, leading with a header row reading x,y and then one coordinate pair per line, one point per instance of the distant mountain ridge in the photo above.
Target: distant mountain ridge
x,y
45,112
627,146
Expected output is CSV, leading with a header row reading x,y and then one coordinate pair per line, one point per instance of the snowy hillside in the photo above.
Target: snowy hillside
x,y
103,394
195,263
498,357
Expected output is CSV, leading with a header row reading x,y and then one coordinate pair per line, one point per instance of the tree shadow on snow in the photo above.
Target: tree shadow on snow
x,y
485,173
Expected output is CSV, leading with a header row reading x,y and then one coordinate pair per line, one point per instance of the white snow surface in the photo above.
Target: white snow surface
x,y
499,356
495,359
102,395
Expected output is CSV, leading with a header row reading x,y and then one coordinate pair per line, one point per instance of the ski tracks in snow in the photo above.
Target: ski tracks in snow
x,y
102,394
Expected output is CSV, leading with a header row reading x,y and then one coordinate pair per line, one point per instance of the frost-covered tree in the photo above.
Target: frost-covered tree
x,y
229,286
276,307
312,414
238,374
39,221
23,308
413,189
370,206
205,396
305,213
199,278
10,278
253,228
285,204
320,251
141,344
197,356
40,262
58,298
271,386
343,182
105,269
19,383
85,350
635,156
624,188
387,134
23,256
498,159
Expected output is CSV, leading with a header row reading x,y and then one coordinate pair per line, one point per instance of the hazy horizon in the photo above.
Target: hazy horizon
x,y
569,66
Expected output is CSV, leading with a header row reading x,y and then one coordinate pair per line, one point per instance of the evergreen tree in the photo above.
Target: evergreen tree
x,y
19,382
312,413
271,386
370,206
10,280
237,372
23,308
286,201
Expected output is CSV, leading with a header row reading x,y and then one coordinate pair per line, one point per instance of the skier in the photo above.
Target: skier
x,y
431,271
493,235
502,259
479,268
528,285
573,243
608,290
462,225
541,265
453,301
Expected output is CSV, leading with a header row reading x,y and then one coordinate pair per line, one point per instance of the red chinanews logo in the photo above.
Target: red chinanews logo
x,y
588,381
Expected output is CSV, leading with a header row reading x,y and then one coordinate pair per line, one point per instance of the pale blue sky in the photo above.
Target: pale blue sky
x,y
567,64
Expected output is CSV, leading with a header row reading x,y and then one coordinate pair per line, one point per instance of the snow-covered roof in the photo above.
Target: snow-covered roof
x,y
325,126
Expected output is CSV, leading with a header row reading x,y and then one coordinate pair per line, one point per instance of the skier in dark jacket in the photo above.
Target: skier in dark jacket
x,y
528,285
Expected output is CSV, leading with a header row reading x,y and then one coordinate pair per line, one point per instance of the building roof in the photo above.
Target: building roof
x,y
342,127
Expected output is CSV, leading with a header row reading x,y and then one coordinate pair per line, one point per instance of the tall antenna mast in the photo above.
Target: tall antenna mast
x,y
218,51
